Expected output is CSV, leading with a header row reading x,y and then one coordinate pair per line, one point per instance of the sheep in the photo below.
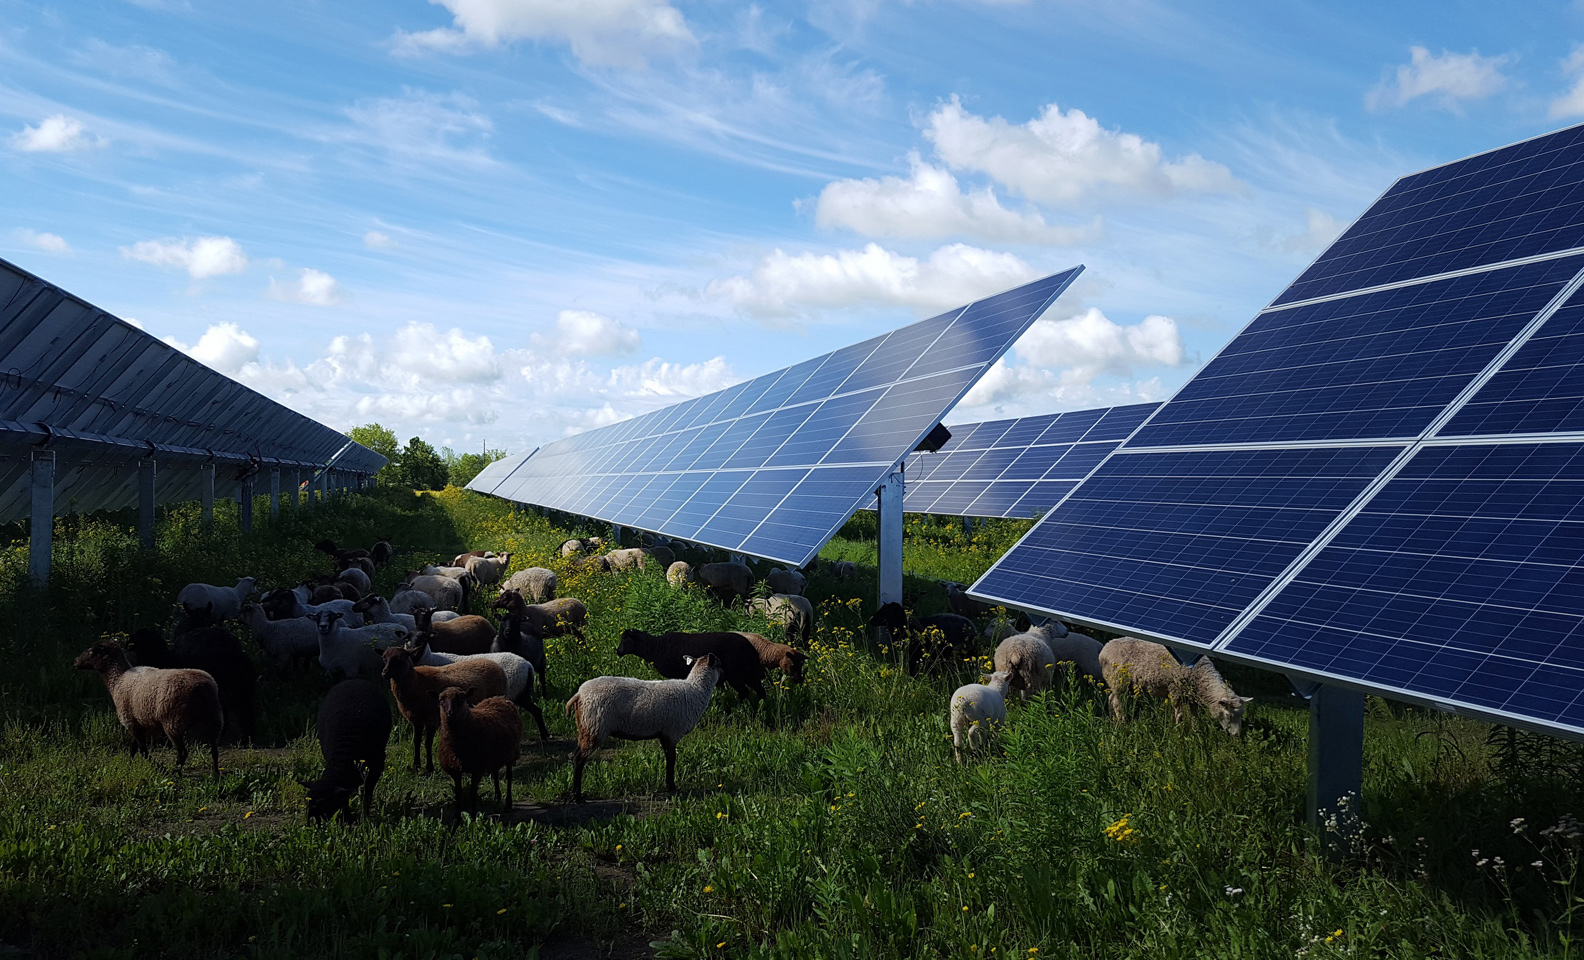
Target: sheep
x,y
773,655
976,709
438,570
224,603
470,634
661,554
569,547
179,703
285,641
363,565
376,609
679,574
290,605
415,688
796,613
354,726
329,547
512,638
788,582
444,593
537,584
958,601
728,581
223,660
359,579
518,670
478,739
1026,658
381,552
668,653
956,633
845,570
1000,628
346,652
630,709
488,569
589,565
324,593
461,559
1150,668
630,559
557,618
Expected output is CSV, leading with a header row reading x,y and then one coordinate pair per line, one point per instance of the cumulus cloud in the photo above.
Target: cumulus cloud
x,y
56,134
785,284
1067,159
201,257
1449,79
581,333
1090,344
48,242
311,286
670,382
377,240
225,347
421,349
930,204
1571,103
618,33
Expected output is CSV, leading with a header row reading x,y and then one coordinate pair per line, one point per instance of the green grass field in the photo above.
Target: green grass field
x,y
830,822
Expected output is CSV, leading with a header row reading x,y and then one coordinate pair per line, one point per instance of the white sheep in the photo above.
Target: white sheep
x,y
787,582
1033,657
630,709
795,613
439,570
1150,668
295,638
353,652
632,558
536,584
488,569
976,709
226,601
679,574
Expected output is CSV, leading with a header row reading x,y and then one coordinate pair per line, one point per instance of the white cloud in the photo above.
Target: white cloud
x,y
600,32
48,242
134,323
56,134
1320,228
1571,104
421,349
786,284
129,62
1449,78
377,240
202,257
672,381
1088,345
930,204
420,127
224,346
580,333
1068,159
311,286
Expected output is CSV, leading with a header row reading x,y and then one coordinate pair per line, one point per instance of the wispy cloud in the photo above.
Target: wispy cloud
x,y
619,33
1448,80
201,257
48,242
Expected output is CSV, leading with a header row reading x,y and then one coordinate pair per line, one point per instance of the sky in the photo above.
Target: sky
x,y
500,222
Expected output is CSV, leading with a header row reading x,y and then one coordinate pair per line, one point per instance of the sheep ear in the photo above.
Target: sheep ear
x,y
1245,700
688,660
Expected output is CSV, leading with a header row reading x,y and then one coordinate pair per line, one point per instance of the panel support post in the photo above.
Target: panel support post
x,y
295,497
146,503
41,535
1336,763
206,474
275,493
324,486
245,506
889,508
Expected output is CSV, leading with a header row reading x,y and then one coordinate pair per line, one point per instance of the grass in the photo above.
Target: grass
x,y
829,822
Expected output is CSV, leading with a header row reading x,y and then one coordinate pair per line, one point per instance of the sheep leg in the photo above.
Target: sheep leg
x,y
473,795
429,735
214,757
544,680
669,746
578,760
495,778
1116,704
456,793
536,713
375,770
507,808
181,749
417,737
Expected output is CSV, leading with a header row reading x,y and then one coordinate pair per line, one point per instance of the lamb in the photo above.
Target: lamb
x,y
773,655
728,582
469,634
787,582
376,609
629,709
1027,660
796,613
679,574
179,703
224,603
285,641
661,554
669,653
976,709
537,584
444,593
222,659
519,675
630,559
1150,668
354,726
918,635
958,601
346,652
476,740
416,687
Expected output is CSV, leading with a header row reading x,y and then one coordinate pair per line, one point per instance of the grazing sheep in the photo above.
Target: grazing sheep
x,y
1026,658
569,547
285,641
976,710
363,565
359,579
669,654
728,582
679,574
787,582
845,570
630,559
796,613
469,634
558,618
487,570
438,570
1150,668
381,552
223,603
1002,627
178,703
584,566
513,638
324,593
223,660
518,670
354,726
922,637
329,547
444,593
537,584
662,555
348,652
478,739
629,709
375,609
772,655
461,559
416,688
958,601
290,605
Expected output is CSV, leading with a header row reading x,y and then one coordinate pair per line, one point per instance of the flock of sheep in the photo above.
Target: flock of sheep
x,y
462,679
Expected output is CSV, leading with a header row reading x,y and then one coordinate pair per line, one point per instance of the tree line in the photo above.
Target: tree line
x,y
419,465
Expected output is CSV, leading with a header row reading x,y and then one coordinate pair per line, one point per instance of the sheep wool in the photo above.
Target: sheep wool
x,y
774,655
417,687
679,574
354,726
1149,668
223,603
786,582
178,703
794,613
535,584
476,739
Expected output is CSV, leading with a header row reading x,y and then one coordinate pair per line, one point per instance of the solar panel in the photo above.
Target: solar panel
x,y
495,472
774,466
1372,487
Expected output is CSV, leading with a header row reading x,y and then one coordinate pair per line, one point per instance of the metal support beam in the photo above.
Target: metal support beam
x,y
206,474
41,535
324,487
245,506
146,503
889,508
294,491
275,493
1336,762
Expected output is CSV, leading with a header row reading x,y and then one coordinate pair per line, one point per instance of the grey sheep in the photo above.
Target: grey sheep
x,y
728,582
1150,668
354,726
795,613
488,569
632,558
845,570
788,582
536,584
444,593
179,703
226,601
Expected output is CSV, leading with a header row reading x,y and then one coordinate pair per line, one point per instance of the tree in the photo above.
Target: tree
x,y
382,440
466,466
420,467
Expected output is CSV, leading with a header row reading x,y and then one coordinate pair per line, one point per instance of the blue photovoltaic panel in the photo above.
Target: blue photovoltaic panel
x,y
1461,581
1016,468
1375,365
1177,544
1539,390
1519,201
773,467
486,480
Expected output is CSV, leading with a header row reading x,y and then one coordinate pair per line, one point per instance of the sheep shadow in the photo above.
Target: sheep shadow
x,y
580,814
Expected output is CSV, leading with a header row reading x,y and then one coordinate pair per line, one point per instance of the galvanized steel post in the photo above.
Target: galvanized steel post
x,y
889,509
1336,763
296,489
324,486
41,535
245,506
275,493
146,503
206,474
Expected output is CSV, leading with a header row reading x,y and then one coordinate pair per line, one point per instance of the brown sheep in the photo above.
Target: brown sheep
x,y
773,655
178,703
465,635
416,688
476,740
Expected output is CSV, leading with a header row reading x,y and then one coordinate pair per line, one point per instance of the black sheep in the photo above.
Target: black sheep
x,y
957,633
512,638
738,657
217,652
354,727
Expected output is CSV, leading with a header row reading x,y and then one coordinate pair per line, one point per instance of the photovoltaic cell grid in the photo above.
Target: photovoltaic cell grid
x,y
496,473
1016,468
773,467
1453,577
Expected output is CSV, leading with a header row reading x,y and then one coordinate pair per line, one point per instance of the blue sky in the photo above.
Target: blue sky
x,y
506,220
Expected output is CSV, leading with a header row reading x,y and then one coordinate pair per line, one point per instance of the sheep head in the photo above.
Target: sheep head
x,y
325,800
103,656
453,700
630,642
398,663
509,600
792,665
1229,712
889,616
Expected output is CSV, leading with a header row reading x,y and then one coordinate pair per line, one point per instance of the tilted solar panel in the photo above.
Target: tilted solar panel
x,y
774,466
495,473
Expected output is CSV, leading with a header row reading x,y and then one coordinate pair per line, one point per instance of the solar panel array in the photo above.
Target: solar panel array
x,y
1377,482
774,466
1016,468
103,395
